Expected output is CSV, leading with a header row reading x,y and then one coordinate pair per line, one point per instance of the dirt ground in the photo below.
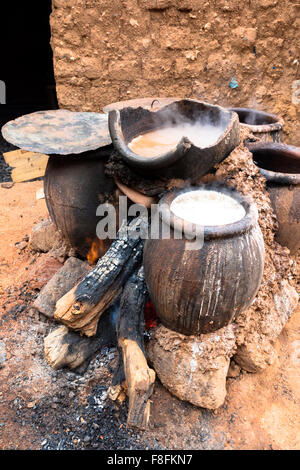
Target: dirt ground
x,y
44,409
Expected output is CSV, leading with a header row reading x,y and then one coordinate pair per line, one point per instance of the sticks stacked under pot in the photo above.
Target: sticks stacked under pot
x,y
118,272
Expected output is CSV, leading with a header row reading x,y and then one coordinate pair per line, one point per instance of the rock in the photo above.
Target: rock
x,y
7,185
193,368
256,354
21,245
3,356
257,350
234,370
45,236
43,270
41,329
64,279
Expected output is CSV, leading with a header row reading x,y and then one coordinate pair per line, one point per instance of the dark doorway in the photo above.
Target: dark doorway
x,y
26,65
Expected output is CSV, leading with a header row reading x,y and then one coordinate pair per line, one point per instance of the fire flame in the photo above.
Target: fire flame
x,y
96,250
151,316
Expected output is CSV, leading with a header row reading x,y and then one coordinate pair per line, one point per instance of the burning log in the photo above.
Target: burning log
x,y
81,307
64,348
132,363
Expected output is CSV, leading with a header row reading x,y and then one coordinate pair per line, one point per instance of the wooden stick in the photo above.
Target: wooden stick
x,y
130,331
81,307
64,348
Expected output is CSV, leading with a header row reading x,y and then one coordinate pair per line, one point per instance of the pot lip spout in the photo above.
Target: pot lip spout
x,y
210,232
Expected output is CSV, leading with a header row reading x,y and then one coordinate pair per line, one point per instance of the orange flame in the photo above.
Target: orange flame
x,y
96,250
151,316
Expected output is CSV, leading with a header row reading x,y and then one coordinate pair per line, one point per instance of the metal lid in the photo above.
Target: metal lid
x,y
58,131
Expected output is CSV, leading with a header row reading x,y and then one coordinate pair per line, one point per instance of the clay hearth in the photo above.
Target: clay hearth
x,y
192,363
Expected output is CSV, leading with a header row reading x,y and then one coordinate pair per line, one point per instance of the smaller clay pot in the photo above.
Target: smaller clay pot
x,y
265,126
280,165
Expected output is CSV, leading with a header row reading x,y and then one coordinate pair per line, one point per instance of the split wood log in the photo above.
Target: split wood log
x,y
130,332
81,307
64,348
27,165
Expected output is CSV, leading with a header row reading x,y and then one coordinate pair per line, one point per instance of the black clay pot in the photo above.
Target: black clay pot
x,y
75,185
280,165
265,126
199,291
185,160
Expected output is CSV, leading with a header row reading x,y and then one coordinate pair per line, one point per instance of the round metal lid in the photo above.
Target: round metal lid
x,y
58,131
152,103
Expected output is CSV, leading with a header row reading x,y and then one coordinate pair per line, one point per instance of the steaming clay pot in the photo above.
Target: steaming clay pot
x,y
265,126
200,291
280,165
185,160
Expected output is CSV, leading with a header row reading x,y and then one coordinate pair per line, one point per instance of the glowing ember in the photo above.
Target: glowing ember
x,y
151,316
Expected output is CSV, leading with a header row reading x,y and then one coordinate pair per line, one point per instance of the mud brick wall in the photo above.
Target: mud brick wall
x,y
111,50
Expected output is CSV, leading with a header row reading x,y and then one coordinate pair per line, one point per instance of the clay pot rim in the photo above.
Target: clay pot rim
x,y
281,178
147,103
262,128
277,176
211,232
175,154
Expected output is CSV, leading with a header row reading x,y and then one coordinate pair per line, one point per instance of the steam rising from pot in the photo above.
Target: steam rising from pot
x,y
171,126
207,208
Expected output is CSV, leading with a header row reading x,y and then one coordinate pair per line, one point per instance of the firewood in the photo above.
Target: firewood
x,y
116,389
27,165
81,307
130,331
64,348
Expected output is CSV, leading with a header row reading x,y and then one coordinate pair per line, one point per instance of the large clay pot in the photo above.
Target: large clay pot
x,y
75,185
200,291
265,126
280,165
185,160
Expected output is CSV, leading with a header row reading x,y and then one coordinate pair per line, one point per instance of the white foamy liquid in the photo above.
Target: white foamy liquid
x,y
162,140
207,208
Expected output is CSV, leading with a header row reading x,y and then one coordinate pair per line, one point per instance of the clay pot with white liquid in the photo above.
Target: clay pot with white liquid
x,y
194,136
200,290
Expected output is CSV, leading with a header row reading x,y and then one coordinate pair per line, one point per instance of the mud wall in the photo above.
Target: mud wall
x,y
111,50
